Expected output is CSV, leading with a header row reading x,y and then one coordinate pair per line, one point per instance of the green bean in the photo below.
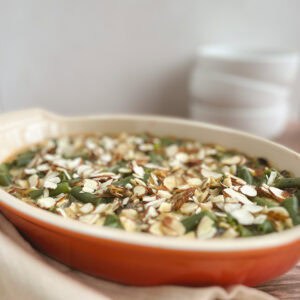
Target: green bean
x,y
4,168
266,227
34,194
5,179
191,222
147,174
265,202
155,158
291,205
84,197
123,181
112,221
62,188
24,159
244,173
284,183
244,231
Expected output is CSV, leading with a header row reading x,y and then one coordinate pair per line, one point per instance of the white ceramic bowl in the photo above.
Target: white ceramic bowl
x,y
275,66
234,91
267,122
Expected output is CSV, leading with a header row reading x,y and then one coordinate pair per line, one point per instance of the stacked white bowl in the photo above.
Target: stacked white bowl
x,y
243,89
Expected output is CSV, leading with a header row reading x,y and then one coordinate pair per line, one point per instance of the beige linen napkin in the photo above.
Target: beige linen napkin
x,y
25,274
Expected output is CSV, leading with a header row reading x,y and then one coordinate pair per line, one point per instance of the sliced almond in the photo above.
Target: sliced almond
x,y
164,194
194,181
170,182
227,182
264,189
243,216
129,213
233,160
253,208
278,213
260,219
248,190
128,224
89,219
279,194
33,181
178,199
46,202
206,228
237,180
188,208
139,190
165,207
230,207
172,227
230,233
155,228
207,174
86,208
236,195
272,178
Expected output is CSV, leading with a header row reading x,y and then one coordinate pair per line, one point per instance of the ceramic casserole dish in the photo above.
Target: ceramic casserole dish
x,y
138,258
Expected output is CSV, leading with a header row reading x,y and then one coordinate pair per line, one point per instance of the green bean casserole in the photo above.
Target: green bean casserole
x,y
164,186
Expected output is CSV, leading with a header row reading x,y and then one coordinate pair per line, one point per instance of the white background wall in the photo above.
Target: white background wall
x,y
77,56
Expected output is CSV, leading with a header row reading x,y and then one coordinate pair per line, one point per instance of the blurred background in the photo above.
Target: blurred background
x,y
128,56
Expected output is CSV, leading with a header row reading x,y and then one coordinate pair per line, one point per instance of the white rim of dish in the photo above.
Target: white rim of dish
x,y
251,54
144,239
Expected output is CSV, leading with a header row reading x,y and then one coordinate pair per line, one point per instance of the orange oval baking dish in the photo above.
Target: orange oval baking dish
x,y
137,258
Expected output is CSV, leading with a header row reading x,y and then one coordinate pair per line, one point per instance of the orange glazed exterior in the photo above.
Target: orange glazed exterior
x,y
146,266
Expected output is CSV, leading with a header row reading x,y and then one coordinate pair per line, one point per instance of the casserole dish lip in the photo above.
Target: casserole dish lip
x,y
144,239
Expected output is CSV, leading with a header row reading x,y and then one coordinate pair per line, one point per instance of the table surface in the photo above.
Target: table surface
x,y
287,286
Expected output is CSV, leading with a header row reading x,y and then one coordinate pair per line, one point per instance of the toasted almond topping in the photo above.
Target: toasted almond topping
x,y
194,181
279,194
230,207
260,219
248,190
139,190
89,185
227,182
272,178
170,182
181,197
230,233
278,213
208,174
236,195
165,207
155,228
188,208
128,224
243,216
172,227
164,194
86,208
253,208
47,202
206,228
233,160
89,219
139,171
237,180
129,213
33,181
